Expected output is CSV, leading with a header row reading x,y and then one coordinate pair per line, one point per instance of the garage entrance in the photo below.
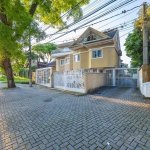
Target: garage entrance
x,y
122,77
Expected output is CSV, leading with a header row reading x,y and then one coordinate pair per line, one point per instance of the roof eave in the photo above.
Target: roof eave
x,y
60,54
92,43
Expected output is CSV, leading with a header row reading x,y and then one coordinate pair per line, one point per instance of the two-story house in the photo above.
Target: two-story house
x,y
92,50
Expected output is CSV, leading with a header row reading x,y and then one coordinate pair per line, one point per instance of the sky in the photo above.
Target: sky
x,y
110,23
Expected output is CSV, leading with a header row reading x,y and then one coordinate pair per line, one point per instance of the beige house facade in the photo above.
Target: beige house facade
x,y
90,62
92,50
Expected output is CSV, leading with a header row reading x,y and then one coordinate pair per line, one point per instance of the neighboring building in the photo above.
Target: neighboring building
x,y
123,65
92,50
44,65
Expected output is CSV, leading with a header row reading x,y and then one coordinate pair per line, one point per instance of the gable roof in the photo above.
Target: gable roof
x,y
111,33
62,45
89,30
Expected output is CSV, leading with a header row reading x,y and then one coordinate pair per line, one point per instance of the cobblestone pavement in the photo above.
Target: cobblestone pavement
x,y
44,119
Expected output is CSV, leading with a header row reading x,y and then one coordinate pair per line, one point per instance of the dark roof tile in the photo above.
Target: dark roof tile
x,y
111,33
52,64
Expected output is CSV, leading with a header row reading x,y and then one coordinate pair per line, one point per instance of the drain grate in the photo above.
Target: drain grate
x,y
48,100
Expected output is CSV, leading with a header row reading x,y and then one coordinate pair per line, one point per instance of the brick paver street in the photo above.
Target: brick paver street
x,y
44,119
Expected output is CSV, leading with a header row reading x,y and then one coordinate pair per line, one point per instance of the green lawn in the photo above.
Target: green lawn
x,y
16,78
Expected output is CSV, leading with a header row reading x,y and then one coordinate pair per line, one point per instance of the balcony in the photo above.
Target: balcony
x,y
60,53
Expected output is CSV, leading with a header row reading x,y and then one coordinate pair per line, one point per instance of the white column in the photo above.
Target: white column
x,y
36,74
114,77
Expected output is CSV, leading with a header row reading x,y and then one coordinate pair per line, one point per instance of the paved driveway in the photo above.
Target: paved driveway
x,y
43,119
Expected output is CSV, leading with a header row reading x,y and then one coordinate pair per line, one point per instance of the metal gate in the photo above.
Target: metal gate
x,y
43,76
122,77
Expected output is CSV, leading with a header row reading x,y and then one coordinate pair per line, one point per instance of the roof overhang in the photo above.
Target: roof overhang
x,y
91,44
60,54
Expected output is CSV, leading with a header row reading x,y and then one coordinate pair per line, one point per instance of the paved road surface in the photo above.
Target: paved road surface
x,y
44,119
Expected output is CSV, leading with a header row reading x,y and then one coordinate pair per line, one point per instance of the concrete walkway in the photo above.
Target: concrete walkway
x,y
44,119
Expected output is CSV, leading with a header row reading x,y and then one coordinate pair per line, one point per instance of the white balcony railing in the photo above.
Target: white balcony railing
x,y
63,52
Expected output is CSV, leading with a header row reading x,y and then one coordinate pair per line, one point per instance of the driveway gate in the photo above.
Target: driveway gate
x,y
122,77
43,76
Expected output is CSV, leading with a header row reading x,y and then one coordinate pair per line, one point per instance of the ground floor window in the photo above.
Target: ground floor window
x,y
62,62
76,57
67,60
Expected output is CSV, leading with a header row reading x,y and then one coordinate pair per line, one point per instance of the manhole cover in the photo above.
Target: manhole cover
x,y
48,100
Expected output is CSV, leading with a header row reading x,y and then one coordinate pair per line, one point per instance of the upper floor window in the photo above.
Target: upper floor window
x,y
90,37
67,60
76,57
62,62
96,53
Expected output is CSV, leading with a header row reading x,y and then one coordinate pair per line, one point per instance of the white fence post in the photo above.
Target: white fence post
x,y
114,77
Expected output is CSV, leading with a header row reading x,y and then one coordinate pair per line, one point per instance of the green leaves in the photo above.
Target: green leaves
x,y
44,50
134,47
20,19
50,12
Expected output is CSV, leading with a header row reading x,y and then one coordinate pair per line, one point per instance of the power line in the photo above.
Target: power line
x,y
98,14
122,29
125,34
111,21
101,7
92,20
94,23
118,18
62,16
105,19
69,10
123,26
124,3
65,27
101,20
65,14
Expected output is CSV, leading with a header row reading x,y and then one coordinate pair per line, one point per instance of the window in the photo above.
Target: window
x,y
91,37
96,53
62,62
76,57
67,60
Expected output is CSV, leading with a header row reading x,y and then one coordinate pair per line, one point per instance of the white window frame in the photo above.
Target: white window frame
x,y
63,63
78,57
97,50
68,61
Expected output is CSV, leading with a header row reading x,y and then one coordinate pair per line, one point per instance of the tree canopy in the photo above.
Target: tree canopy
x,y
19,20
134,41
134,47
44,51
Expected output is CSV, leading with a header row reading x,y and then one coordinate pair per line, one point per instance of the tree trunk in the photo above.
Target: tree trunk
x,y
9,72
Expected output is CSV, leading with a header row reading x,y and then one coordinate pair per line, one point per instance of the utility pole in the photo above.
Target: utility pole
x,y
30,58
145,67
145,35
